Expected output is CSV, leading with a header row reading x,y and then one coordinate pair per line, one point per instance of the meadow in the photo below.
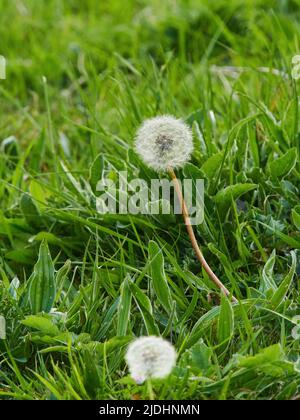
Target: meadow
x,y
77,286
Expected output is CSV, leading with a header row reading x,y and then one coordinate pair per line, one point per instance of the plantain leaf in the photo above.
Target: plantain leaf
x,y
124,308
233,192
296,217
96,171
212,164
42,282
43,324
30,211
267,278
283,289
145,307
285,164
226,321
158,276
266,356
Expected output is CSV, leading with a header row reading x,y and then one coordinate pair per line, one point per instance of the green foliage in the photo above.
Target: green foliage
x,y
77,286
158,276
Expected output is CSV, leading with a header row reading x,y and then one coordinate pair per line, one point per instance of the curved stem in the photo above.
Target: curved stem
x,y
193,239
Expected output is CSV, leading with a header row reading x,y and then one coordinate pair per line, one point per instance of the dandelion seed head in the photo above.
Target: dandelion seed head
x,y
296,329
164,142
150,357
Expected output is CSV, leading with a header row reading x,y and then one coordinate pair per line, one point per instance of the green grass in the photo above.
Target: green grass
x,y
225,68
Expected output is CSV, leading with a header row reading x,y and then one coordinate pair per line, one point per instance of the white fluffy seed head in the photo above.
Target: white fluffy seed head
x,y
164,142
150,357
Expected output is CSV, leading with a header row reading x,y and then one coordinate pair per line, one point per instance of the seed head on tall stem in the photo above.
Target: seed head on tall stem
x,y
165,143
149,358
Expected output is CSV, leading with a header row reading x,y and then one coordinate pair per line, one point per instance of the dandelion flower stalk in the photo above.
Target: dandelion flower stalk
x,y
150,390
193,239
165,143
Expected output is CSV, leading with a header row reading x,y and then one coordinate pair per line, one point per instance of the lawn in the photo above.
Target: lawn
x,y
77,286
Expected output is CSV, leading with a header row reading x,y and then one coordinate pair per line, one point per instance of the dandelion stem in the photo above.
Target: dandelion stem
x,y
150,390
193,239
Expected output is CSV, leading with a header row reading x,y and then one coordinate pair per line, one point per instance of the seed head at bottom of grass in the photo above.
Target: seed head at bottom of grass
x,y
150,357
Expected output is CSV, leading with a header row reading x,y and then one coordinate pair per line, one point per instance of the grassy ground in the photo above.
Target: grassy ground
x,y
225,68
